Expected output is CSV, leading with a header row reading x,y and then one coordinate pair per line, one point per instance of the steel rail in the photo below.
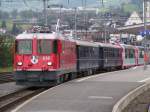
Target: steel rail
x,y
6,77
11,100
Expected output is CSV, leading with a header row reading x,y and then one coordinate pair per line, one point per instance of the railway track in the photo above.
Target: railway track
x,y
10,101
6,77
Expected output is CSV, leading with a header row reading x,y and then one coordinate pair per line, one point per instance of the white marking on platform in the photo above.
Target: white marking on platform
x,y
100,97
134,68
82,79
144,80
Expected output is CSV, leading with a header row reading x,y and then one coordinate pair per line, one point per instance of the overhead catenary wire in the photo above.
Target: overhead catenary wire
x,y
25,2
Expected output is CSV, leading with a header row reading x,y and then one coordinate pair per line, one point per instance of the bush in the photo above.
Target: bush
x,y
6,50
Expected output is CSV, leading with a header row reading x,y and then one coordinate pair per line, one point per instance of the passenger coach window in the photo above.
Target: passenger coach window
x,y
24,46
131,53
44,46
141,54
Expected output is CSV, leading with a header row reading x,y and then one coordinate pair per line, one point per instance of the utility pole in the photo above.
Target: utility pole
x,y
105,27
45,11
85,17
105,32
75,24
145,28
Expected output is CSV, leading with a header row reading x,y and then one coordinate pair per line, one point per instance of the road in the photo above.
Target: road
x,y
98,93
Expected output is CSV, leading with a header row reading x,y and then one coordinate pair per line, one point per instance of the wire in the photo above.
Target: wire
x,y
68,2
25,3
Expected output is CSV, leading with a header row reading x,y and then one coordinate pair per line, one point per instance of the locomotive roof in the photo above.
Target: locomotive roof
x,y
37,35
43,36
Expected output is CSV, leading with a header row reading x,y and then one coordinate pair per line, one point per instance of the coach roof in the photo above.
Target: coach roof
x,y
86,43
128,46
108,45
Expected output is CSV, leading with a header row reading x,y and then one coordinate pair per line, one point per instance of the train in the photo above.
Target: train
x,y
47,59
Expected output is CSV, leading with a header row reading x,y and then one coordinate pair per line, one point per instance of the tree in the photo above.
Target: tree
x,y
3,24
4,15
15,30
14,14
129,8
27,14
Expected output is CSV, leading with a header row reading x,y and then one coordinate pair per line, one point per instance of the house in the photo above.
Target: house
x,y
133,19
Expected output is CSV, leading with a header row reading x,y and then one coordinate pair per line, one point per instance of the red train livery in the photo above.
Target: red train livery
x,y
37,53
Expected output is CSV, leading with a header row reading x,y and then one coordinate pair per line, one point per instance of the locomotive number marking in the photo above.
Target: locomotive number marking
x,y
46,57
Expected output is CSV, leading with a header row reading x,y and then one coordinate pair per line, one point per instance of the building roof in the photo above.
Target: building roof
x,y
133,29
133,19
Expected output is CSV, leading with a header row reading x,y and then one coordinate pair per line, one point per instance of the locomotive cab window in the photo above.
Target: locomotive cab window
x,y
24,46
44,46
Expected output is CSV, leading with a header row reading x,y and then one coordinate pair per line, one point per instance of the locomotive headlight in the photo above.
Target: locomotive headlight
x,y
19,63
49,63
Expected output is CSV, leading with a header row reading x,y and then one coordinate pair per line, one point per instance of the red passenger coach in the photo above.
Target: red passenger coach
x,y
43,59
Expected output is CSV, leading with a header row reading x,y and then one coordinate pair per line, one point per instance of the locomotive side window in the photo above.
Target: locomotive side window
x,y
55,46
24,46
44,46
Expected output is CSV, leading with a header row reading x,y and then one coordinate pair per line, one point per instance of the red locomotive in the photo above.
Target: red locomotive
x,y
43,57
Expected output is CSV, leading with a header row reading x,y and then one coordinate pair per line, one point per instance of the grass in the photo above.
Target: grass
x,y
6,69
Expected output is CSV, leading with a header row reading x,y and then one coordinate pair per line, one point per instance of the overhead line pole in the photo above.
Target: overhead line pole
x,y
75,26
45,11
145,27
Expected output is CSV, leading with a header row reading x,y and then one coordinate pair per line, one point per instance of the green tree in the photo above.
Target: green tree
x,y
4,15
14,14
28,14
6,50
3,24
129,8
15,30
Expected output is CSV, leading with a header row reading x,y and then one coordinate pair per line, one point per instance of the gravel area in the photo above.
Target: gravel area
x,y
8,88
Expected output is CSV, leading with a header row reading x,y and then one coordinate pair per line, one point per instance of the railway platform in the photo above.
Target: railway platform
x,y
97,93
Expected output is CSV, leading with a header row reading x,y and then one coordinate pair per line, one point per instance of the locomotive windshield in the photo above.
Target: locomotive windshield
x,y
24,47
44,46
